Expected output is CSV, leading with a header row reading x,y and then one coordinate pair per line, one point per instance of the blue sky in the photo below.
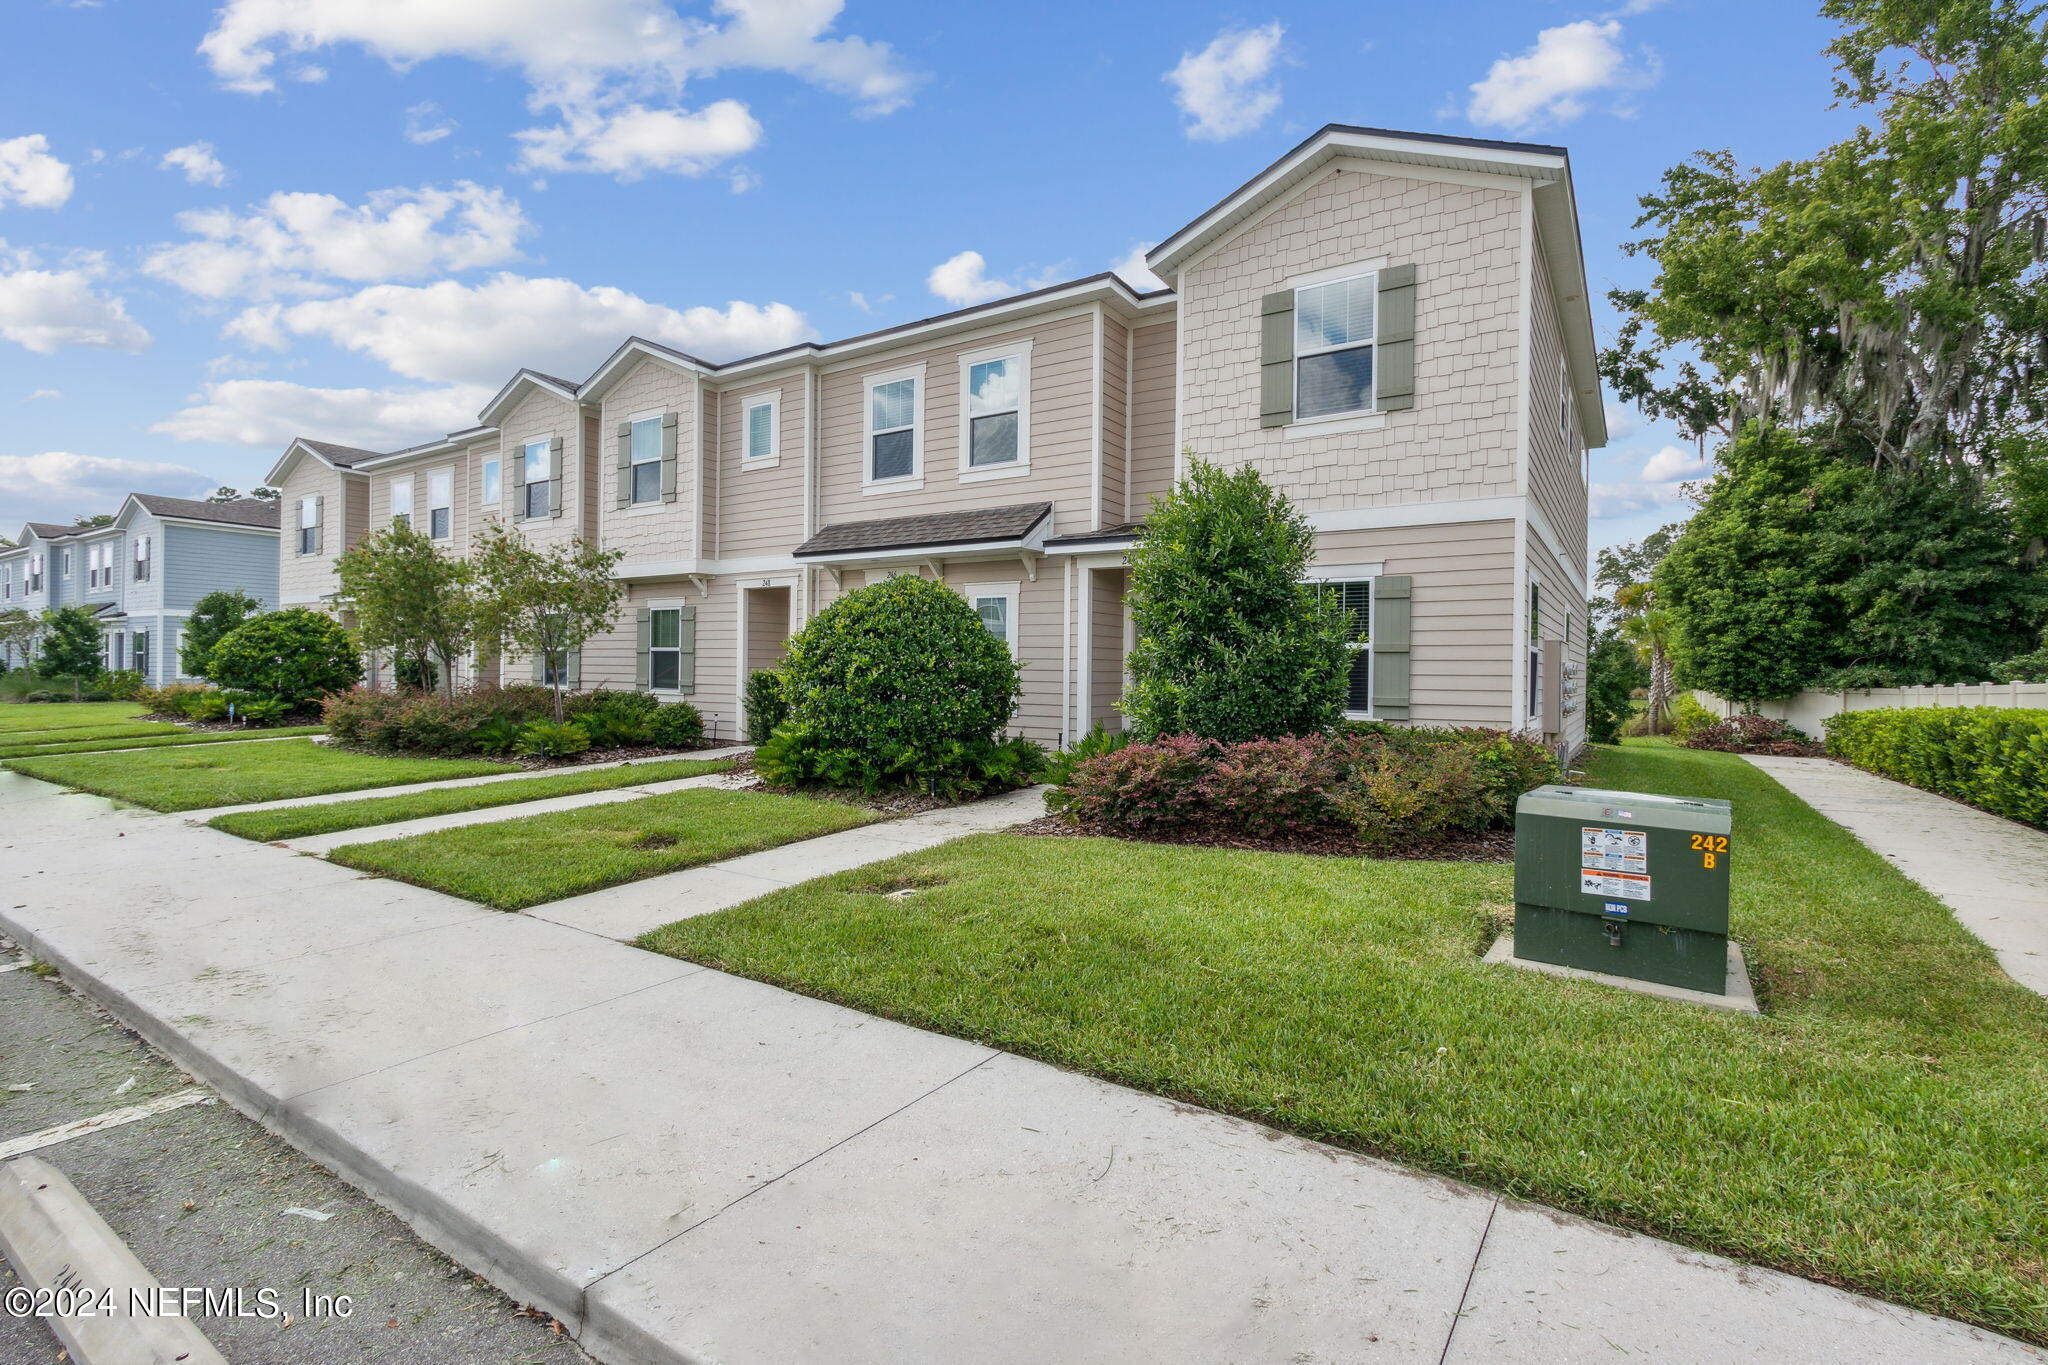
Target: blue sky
x,y
228,223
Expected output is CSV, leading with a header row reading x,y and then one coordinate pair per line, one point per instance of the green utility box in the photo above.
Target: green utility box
x,y
1624,883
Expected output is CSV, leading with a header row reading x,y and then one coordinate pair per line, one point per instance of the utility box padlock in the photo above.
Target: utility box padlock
x,y
1624,883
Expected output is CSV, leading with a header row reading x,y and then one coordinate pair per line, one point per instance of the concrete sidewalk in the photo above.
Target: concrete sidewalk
x,y
687,1166
1991,871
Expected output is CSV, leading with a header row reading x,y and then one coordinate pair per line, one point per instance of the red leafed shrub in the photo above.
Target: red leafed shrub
x,y
1273,787
1154,788
1753,735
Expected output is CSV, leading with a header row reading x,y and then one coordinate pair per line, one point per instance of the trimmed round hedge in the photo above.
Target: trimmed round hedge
x,y
295,655
896,684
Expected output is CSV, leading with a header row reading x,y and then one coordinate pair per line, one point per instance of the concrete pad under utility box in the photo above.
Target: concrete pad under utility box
x,y
1739,995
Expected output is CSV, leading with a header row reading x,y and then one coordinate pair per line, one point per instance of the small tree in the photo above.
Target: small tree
x,y
294,655
1233,642
543,602
21,634
71,643
213,616
410,598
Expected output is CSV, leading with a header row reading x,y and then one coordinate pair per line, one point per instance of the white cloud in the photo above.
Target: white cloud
x,y
1553,80
296,244
1222,89
43,393
743,180
1673,463
963,279
48,309
866,304
1622,421
612,76
197,161
57,485
270,412
449,332
1135,272
633,140
30,176
425,123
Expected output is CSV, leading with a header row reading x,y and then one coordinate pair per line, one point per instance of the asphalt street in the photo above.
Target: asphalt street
x,y
207,1198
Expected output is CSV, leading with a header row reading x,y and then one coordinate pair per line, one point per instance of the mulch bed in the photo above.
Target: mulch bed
x,y
888,804
1487,846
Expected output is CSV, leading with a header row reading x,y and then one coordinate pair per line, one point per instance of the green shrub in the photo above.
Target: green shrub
x,y
295,655
1612,672
1993,758
615,728
122,684
495,735
1750,734
1689,713
1232,642
1391,796
427,722
551,739
169,699
1094,744
677,726
211,618
767,706
898,684
205,706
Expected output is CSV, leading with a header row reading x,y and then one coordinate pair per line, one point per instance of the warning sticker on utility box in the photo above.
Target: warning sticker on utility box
x,y
1627,885
1614,850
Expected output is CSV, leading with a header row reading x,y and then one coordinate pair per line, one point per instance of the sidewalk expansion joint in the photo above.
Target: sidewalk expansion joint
x,y
1465,1291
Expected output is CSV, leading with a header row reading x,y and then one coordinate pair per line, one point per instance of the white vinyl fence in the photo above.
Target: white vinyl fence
x,y
1808,709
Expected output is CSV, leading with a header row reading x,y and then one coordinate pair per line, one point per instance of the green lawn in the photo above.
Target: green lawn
x,y
512,864
13,741
230,774
297,822
1884,1126
57,715
155,741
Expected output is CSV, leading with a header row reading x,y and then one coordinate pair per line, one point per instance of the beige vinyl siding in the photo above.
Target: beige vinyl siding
x,y
304,580
1106,648
1466,619
478,512
1151,405
768,625
1116,355
464,468
1062,404
1460,438
1562,608
609,659
654,532
760,510
1555,478
1040,620
539,416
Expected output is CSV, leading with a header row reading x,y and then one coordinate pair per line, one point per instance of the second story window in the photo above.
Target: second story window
x,y
92,566
994,434
1333,335
893,411
309,526
64,564
645,450
441,504
401,500
141,569
492,489
539,474
758,429
38,565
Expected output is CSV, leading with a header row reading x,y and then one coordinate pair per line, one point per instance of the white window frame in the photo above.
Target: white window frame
x,y
492,472
143,568
897,483
1019,352
1372,405
1533,676
309,520
545,445
654,416
433,506
1368,574
674,604
64,563
393,484
976,593
772,401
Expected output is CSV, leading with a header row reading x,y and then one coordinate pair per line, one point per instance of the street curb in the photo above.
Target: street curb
x,y
56,1242
461,1238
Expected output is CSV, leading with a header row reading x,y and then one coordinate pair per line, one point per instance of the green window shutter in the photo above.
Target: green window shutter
x,y
1393,601
319,523
540,668
559,475
643,636
670,426
1276,358
574,680
686,626
1394,355
625,464
519,486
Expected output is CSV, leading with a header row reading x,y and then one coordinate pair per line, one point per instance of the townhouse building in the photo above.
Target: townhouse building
x,y
141,573
1393,328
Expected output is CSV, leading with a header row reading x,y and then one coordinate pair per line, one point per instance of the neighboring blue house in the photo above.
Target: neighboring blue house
x,y
142,574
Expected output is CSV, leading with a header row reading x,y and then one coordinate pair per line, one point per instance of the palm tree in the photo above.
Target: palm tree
x,y
1647,626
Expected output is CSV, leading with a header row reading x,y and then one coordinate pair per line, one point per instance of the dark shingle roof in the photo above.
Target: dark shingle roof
x,y
935,529
343,456
50,530
243,512
1123,530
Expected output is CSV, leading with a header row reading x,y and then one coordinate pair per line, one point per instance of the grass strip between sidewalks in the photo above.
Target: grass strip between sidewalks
x,y
232,774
